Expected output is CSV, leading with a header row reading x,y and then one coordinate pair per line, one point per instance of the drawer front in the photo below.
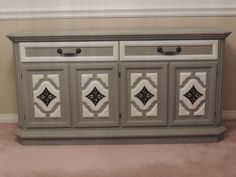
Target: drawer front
x,y
68,51
169,50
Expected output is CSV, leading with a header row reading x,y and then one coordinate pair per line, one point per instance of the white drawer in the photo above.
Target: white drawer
x,y
68,51
169,50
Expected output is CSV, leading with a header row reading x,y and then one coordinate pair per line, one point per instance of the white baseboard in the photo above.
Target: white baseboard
x,y
13,118
8,118
229,115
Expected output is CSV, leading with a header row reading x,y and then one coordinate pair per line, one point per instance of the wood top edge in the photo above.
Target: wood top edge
x,y
118,34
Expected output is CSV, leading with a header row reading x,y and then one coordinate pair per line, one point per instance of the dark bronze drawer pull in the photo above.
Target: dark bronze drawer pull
x,y
176,52
77,52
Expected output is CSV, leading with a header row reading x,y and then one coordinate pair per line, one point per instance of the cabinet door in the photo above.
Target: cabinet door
x,y
46,96
192,93
94,94
144,93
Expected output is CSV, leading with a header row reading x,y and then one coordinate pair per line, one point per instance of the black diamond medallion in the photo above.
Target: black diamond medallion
x,y
193,94
46,96
144,95
95,96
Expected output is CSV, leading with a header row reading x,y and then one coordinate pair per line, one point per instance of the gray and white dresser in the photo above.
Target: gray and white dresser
x,y
91,87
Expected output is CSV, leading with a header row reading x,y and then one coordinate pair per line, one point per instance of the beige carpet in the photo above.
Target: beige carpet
x,y
158,160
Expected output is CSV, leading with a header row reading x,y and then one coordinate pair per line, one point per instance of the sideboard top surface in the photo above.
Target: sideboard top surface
x,y
122,35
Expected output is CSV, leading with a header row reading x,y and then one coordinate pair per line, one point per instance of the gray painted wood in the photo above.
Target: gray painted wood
x,y
174,93
28,70
52,51
167,128
143,68
19,86
121,136
116,141
152,50
76,73
125,133
219,83
157,34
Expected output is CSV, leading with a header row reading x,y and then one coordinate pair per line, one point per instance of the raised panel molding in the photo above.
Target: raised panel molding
x,y
95,95
192,93
46,96
13,9
144,94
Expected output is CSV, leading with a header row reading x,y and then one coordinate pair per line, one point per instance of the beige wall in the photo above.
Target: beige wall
x,y
7,82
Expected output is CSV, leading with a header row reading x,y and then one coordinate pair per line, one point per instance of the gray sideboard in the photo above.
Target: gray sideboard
x,y
92,87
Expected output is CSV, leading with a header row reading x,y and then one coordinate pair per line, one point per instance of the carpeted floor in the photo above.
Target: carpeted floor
x,y
159,160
